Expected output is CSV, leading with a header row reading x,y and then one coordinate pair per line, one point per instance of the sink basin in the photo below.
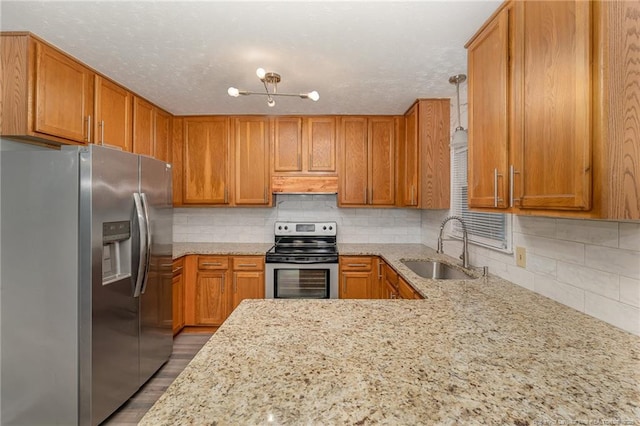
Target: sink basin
x,y
435,270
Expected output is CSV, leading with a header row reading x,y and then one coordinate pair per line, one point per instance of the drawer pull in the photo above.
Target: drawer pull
x,y
247,265
357,265
211,264
179,268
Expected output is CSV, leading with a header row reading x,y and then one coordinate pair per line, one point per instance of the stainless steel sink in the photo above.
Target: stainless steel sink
x,y
435,270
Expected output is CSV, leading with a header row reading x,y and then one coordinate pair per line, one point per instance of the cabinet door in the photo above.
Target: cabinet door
x,y
211,302
354,161
409,157
64,96
177,289
355,285
382,157
321,144
113,114
488,93
143,127
247,285
251,161
553,46
162,135
287,144
205,160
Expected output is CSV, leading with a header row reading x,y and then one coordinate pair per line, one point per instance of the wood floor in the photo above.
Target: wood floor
x,y
185,346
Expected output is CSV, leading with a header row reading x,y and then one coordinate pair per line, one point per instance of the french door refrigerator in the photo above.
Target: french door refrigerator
x,y
85,280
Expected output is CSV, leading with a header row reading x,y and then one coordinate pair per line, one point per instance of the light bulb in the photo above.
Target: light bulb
x,y
314,96
260,72
271,102
233,92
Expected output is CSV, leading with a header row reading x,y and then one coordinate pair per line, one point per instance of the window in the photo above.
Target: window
x,y
491,230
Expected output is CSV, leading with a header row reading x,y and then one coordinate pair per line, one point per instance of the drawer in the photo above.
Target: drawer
x,y
356,263
213,262
178,266
248,263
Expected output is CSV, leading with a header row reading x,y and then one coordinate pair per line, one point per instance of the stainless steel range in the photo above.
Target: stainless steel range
x,y
303,263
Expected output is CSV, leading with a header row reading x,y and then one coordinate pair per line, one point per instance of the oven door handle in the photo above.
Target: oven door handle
x,y
305,262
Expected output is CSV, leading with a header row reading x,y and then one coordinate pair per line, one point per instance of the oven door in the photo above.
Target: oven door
x,y
301,281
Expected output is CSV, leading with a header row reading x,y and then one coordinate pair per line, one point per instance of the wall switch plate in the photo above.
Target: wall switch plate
x,y
521,257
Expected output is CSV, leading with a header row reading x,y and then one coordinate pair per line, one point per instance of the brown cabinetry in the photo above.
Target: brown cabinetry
x,y
251,161
215,285
357,277
547,102
248,279
367,161
143,127
424,156
50,94
162,136
113,114
390,285
177,288
206,157
405,291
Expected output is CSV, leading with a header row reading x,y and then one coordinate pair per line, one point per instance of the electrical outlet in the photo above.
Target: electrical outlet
x,y
521,257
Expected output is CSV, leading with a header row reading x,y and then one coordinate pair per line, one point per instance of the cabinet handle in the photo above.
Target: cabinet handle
x,y
265,194
102,132
357,265
247,265
365,195
379,270
371,196
88,129
413,203
235,284
225,195
495,187
511,185
211,264
177,269
222,285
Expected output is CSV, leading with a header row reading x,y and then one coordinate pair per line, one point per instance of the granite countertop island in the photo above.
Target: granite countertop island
x,y
479,351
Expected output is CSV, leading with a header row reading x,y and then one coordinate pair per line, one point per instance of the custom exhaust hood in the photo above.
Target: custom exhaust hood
x,y
304,184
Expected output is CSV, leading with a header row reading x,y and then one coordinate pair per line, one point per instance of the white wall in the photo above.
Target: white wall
x,y
355,225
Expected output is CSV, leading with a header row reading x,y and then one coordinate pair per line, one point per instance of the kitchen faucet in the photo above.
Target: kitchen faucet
x,y
465,240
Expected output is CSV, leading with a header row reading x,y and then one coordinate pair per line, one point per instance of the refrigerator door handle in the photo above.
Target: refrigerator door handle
x,y
147,262
142,253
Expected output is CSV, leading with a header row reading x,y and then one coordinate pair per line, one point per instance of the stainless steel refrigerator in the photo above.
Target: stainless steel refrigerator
x,y
86,314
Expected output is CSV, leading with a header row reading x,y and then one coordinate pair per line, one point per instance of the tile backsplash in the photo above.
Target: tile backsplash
x,y
355,225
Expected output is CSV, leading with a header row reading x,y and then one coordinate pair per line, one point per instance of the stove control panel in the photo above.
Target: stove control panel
x,y
328,229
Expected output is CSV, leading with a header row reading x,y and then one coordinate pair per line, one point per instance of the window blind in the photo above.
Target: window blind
x,y
486,229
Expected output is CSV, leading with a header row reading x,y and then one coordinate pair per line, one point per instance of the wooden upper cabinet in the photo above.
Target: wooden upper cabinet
x,y
287,145
64,96
424,157
354,158
549,97
382,160
304,146
251,161
489,88
553,140
320,144
49,93
163,135
113,114
205,160
143,127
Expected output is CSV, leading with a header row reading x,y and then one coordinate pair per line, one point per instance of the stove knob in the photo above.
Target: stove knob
x,y
330,228
280,228
324,228
286,228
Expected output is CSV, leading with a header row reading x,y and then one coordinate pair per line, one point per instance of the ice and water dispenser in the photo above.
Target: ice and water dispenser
x,y
116,251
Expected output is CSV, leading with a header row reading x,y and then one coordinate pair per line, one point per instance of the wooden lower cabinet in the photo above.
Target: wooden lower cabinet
x,y
390,283
215,285
356,277
177,290
405,291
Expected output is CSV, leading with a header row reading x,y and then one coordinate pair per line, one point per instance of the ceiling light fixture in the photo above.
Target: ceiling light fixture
x,y
459,138
270,81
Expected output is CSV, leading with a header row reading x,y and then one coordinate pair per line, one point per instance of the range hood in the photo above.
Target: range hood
x,y
304,184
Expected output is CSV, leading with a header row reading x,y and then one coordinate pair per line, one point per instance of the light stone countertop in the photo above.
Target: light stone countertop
x,y
231,249
481,351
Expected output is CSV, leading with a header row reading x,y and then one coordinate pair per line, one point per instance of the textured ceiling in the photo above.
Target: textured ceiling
x,y
362,57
